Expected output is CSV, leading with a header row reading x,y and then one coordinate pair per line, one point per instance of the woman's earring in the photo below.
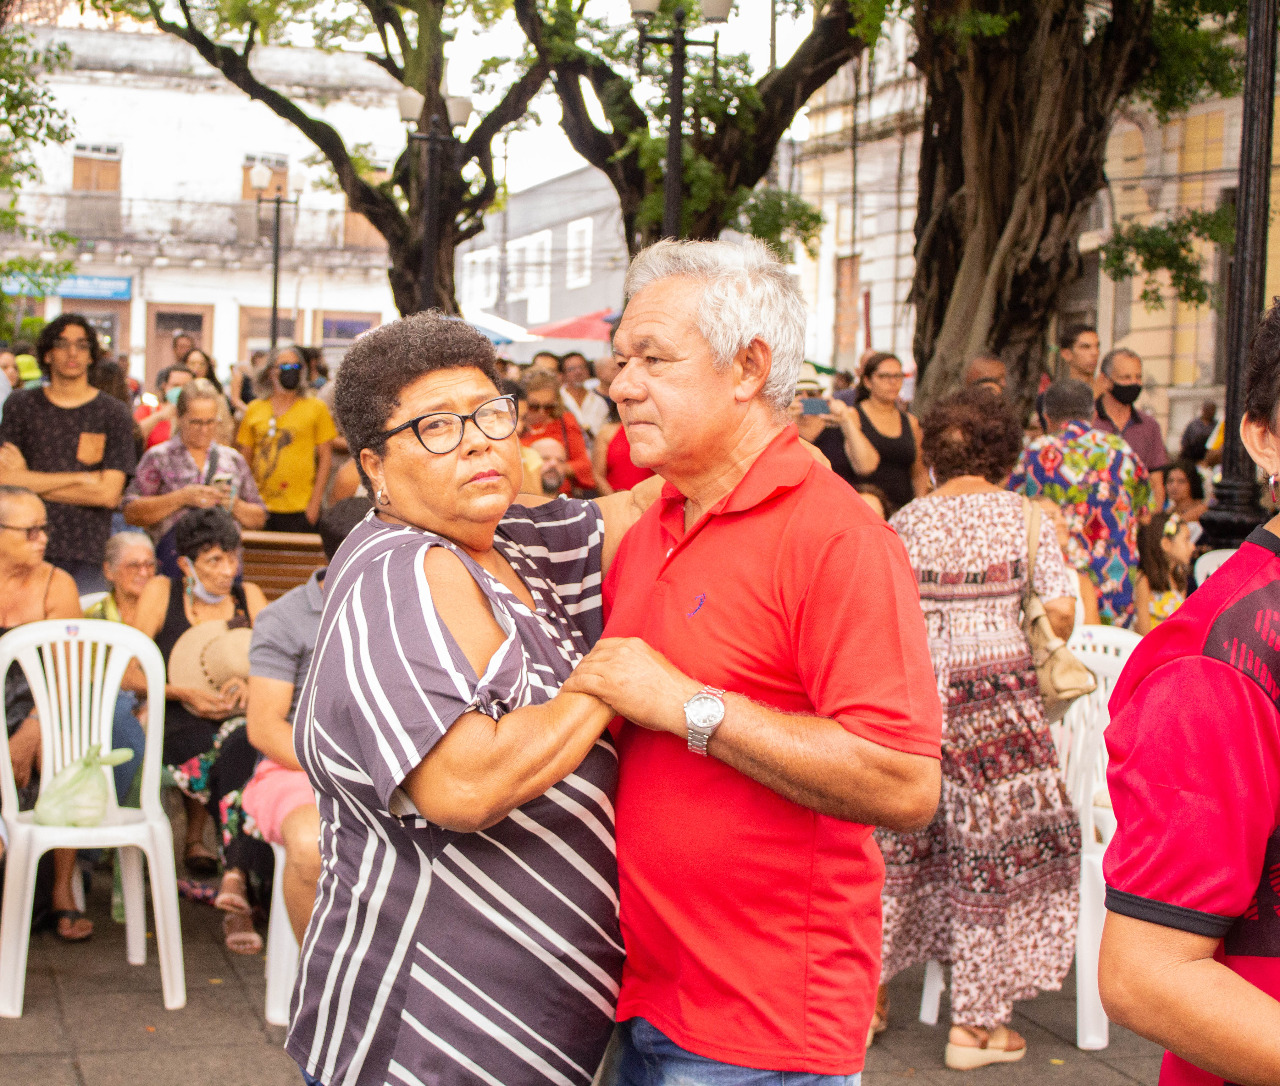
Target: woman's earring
x,y
382,498
1273,482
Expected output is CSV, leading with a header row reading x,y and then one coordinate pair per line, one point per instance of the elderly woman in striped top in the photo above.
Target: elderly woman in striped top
x,y
465,926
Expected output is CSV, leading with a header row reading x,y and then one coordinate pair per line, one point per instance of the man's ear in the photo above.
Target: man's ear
x,y
752,367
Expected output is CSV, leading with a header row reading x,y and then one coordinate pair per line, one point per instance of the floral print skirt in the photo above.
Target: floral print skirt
x,y
990,887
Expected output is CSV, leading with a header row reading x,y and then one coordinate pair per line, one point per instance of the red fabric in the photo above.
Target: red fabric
x,y
566,430
619,470
162,430
1195,773
752,924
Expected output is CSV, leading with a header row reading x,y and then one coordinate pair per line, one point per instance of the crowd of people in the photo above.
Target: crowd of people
x,y
684,689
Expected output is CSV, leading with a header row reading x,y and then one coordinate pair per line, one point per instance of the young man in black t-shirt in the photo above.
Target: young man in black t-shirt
x,y
72,445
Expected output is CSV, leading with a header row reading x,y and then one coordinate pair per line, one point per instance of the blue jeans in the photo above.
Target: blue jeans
x,y
127,732
650,1058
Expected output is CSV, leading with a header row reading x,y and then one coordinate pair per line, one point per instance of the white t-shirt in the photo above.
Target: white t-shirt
x,y
591,415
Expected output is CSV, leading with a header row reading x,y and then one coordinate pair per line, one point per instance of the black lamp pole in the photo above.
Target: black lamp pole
x,y
673,180
278,199
1235,511
437,141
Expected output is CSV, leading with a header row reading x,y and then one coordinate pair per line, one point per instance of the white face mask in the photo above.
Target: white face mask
x,y
195,588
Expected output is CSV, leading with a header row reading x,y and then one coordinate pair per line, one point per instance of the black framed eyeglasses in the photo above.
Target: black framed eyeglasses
x,y
441,431
32,532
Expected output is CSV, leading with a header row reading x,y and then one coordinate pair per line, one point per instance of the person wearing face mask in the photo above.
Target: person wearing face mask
x,y
155,419
287,437
1114,413
206,746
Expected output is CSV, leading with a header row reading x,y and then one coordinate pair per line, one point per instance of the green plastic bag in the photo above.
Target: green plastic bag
x,y
78,795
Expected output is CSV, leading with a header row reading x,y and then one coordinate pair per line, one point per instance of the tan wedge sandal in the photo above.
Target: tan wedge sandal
x,y
1000,1045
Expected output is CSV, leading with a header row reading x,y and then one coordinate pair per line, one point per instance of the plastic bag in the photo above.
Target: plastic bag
x,y
78,795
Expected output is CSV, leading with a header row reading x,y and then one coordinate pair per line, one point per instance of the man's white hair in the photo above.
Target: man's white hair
x,y
747,295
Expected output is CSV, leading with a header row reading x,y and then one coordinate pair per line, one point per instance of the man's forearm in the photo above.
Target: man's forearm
x,y
94,490
819,764
43,482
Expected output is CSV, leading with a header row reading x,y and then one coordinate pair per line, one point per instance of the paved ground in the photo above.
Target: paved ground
x,y
91,1019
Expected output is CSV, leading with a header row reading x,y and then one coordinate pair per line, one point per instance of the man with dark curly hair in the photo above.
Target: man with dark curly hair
x,y
1102,489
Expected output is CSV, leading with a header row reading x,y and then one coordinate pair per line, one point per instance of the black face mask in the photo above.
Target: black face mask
x,y
1126,394
290,377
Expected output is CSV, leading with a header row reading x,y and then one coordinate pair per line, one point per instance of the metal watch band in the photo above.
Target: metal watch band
x,y
698,738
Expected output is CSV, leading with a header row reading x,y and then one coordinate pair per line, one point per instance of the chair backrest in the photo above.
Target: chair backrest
x,y
1209,562
74,668
1104,650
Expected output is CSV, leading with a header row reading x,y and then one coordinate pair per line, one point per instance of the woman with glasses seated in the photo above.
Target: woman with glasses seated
x,y
467,906
31,590
191,471
206,746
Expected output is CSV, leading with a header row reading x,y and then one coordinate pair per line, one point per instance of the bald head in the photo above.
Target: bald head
x,y
987,370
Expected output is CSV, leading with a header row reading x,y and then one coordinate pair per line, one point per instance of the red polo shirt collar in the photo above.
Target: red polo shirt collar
x,y
783,466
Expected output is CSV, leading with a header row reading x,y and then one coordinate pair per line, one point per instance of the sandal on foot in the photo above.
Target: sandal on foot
x,y
199,861
241,938
232,894
72,917
1000,1045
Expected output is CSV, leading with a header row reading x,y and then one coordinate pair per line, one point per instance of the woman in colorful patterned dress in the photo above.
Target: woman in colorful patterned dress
x,y
990,887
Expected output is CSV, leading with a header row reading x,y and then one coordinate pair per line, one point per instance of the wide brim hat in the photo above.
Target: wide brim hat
x,y
209,654
809,381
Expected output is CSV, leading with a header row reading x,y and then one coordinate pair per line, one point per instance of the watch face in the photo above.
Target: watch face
x,y
704,711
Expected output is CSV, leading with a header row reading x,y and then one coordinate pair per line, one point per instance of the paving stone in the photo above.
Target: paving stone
x,y
39,1071
225,1066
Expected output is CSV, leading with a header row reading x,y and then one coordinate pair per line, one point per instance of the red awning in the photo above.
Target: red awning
x,y
588,326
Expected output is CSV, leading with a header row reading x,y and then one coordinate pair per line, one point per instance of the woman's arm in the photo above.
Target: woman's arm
x,y
146,512
1164,984
267,719
1141,605
919,472
482,769
861,453
347,482
249,514
256,600
600,456
63,600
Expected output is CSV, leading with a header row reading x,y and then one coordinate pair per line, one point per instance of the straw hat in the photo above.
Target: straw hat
x,y
809,381
209,654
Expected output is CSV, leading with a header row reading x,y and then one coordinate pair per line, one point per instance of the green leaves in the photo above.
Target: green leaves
x,y
1168,247
781,220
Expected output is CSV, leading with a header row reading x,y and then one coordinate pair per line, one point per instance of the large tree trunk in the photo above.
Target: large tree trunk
x,y
1013,151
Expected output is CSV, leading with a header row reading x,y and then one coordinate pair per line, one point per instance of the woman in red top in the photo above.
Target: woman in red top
x,y
611,457
546,417
1191,948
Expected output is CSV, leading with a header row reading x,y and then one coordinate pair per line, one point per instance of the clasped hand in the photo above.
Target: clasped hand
x,y
636,682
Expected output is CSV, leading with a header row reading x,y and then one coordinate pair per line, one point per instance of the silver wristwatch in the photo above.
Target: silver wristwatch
x,y
702,716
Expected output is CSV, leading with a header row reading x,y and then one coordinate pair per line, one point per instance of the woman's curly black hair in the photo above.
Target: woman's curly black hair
x,y
381,363
200,530
971,432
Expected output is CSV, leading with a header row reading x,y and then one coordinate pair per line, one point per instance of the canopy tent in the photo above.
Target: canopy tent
x,y
498,331
594,326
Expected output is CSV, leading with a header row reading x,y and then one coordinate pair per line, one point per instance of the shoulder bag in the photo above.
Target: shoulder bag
x,y
1062,677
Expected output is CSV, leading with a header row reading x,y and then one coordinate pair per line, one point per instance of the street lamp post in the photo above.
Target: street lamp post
x,y
1235,511
458,107
259,179
713,11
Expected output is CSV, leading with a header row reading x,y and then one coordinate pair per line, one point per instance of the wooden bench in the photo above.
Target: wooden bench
x,y
279,561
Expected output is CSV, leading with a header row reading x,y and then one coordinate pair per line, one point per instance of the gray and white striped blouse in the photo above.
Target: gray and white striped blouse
x,y
433,956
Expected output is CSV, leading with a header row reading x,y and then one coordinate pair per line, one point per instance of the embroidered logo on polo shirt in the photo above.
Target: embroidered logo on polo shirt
x,y
699,601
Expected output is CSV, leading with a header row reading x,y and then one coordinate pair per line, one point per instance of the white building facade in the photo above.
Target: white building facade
x,y
170,234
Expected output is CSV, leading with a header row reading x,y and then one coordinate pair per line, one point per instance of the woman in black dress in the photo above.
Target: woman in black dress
x,y
894,434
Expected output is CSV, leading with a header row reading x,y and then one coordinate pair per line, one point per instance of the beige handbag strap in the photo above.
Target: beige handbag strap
x,y
1032,514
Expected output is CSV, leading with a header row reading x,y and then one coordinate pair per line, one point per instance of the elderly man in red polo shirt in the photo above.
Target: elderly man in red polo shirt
x,y
766,648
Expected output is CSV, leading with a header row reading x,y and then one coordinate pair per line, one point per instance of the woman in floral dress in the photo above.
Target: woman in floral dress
x,y
991,886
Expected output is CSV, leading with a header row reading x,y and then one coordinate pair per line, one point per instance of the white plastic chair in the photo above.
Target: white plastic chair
x,y
74,668
1209,562
282,949
1104,650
